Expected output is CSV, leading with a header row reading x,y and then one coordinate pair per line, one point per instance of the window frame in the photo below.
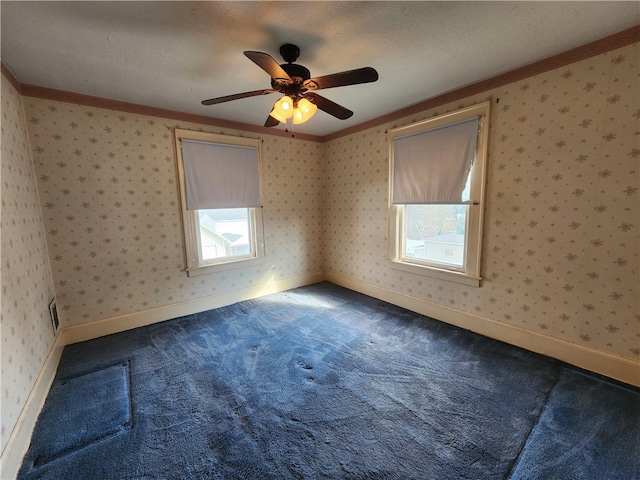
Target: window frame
x,y
470,272
194,263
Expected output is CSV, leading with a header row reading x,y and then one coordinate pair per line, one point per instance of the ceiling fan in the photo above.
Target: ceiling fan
x,y
299,102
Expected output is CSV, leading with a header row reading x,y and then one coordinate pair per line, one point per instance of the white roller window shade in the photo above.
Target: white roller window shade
x,y
220,176
432,167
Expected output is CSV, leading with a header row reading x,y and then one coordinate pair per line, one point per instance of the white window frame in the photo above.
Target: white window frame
x,y
195,264
470,273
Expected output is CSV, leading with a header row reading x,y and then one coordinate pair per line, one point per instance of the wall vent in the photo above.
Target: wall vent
x,y
53,312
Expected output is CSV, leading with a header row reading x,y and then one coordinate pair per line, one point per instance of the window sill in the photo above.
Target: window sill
x,y
223,267
439,273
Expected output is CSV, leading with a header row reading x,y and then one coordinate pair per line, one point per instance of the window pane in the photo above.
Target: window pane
x,y
435,233
224,232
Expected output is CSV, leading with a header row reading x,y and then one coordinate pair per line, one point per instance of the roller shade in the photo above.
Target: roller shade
x,y
220,176
432,167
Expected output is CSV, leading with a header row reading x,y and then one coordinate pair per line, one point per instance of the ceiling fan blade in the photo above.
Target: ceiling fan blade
x,y
237,96
269,65
328,106
271,122
350,77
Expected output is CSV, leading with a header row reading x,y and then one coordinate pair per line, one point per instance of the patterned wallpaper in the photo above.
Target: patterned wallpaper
x,y
561,238
26,284
561,252
108,186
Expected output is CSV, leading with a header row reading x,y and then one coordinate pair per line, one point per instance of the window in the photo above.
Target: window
x,y
219,182
436,194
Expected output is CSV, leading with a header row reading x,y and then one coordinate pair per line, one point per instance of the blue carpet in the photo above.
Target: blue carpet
x,y
589,429
315,383
94,406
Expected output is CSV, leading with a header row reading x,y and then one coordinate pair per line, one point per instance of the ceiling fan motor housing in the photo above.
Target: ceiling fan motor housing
x,y
298,73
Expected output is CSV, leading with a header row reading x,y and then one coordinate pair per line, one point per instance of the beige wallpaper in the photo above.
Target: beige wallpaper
x,y
26,284
108,187
561,239
561,252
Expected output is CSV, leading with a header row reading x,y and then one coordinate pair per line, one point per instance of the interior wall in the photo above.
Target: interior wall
x,y
561,244
108,186
26,282
561,233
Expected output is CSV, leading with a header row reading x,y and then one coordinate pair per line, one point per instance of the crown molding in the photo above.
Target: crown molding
x,y
9,76
603,45
99,102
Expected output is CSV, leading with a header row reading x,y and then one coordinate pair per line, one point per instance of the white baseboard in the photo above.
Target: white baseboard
x,y
613,366
100,328
20,438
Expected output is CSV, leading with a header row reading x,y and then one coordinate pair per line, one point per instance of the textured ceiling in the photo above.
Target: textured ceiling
x,y
174,54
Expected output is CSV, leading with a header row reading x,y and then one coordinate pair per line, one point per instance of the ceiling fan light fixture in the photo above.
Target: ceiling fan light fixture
x,y
284,108
277,116
303,111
